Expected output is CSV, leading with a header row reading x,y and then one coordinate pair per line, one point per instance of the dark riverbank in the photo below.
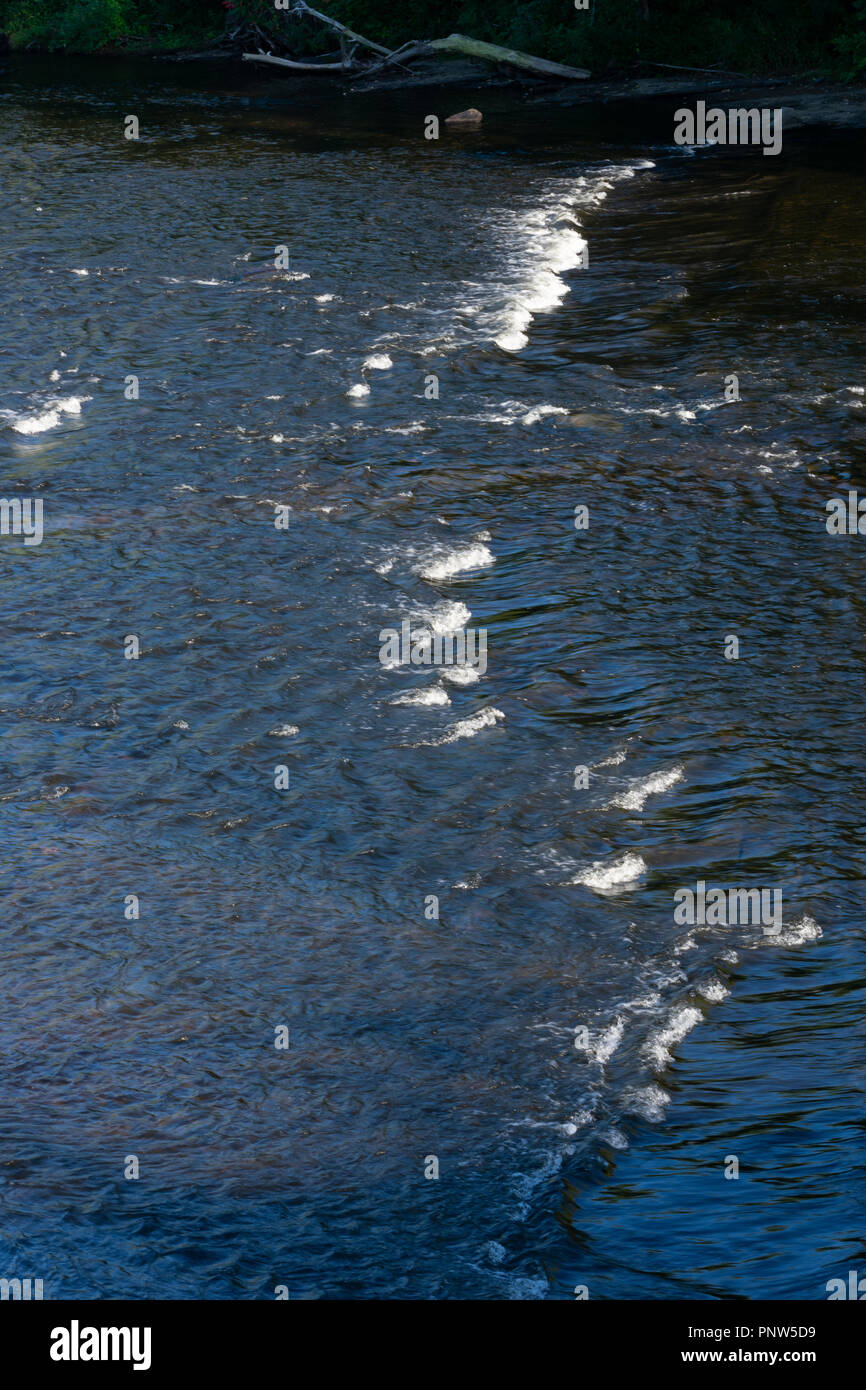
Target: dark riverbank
x,y
449,84
614,39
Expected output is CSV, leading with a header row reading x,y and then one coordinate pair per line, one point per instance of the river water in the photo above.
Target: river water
x,y
580,288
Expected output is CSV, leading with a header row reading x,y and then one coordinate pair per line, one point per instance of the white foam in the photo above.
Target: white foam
x,y
468,728
647,1101
797,933
614,1137
50,418
614,760
284,731
681,1022
635,797
713,990
324,298
429,695
359,389
444,564
608,1042
538,412
446,618
378,362
613,876
461,675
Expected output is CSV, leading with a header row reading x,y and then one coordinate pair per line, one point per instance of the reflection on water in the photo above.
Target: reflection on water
x,y
578,290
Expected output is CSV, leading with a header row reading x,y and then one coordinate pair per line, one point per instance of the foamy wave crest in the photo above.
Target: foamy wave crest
x,y
614,876
446,618
377,362
461,675
51,417
607,1043
649,1102
635,797
797,933
658,1049
468,728
430,695
542,244
538,412
444,564
714,991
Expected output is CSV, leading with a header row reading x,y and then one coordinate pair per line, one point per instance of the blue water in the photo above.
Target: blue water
x,y
413,1037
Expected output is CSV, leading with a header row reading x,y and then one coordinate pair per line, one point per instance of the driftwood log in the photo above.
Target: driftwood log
x,y
487,52
424,48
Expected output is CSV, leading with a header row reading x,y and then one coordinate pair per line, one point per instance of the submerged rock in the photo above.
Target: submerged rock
x,y
470,117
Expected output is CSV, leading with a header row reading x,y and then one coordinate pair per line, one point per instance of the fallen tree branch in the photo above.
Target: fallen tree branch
x,y
300,8
476,48
298,67
717,72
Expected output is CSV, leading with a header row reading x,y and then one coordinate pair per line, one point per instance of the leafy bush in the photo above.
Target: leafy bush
x,y
737,35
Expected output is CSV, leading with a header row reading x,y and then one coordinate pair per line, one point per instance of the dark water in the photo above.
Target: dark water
x,y
413,1037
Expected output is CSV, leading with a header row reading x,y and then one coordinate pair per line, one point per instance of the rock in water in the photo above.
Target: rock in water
x,y
470,117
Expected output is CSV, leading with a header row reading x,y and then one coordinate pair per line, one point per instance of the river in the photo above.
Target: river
x,y
466,340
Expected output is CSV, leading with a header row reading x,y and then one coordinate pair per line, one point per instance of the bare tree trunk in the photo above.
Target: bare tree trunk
x,y
300,8
476,48
296,67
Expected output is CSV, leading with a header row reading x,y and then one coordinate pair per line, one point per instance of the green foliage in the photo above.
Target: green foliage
x,y
851,45
85,26
750,36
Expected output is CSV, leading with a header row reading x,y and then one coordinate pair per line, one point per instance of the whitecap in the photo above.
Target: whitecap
x,y
50,418
377,362
461,675
446,617
539,412
647,1101
442,565
607,1043
429,695
613,876
797,933
468,728
681,1022
713,990
635,797
359,389
614,760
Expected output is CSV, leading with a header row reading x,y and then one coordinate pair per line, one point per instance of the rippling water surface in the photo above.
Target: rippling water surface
x,y
561,384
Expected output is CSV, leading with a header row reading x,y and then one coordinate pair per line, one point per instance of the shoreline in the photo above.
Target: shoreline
x,y
806,99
